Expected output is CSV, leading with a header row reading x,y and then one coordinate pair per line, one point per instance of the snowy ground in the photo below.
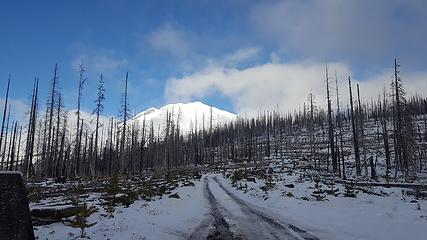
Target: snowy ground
x,y
364,217
215,208
166,218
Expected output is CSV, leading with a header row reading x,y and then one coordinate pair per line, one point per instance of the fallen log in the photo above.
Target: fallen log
x,y
384,184
56,214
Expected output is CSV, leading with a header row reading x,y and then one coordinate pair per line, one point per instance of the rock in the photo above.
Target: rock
x,y
15,218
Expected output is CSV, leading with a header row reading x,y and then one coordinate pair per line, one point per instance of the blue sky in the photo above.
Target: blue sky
x,y
231,54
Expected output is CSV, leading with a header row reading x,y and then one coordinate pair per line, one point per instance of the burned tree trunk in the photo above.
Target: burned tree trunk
x,y
331,128
4,118
355,138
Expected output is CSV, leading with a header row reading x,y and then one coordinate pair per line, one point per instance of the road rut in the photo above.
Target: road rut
x,y
232,218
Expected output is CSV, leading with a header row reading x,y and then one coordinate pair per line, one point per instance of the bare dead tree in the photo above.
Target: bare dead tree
x,y
3,120
355,137
339,123
331,127
98,111
78,139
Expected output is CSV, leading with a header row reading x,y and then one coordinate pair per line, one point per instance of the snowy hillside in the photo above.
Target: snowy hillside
x,y
187,114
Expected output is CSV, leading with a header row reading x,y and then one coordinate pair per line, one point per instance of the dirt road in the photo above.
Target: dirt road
x,y
232,218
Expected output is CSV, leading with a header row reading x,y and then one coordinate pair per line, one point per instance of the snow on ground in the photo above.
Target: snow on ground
x,y
389,213
365,217
166,218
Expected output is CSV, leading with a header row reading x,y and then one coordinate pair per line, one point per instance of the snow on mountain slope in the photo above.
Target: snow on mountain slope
x,y
188,114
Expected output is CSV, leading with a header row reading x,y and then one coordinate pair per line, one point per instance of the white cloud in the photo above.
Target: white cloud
x,y
106,63
171,40
239,56
89,121
257,88
413,83
18,109
279,85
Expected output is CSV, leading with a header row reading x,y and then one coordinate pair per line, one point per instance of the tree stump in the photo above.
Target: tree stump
x,y
15,218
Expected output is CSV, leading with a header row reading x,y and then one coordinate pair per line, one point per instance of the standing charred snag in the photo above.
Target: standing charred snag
x,y
60,168
268,144
110,148
11,139
142,147
404,128
4,117
78,139
397,121
18,163
43,142
31,130
4,155
311,130
360,117
210,136
125,116
385,137
49,157
353,125
55,151
331,128
372,165
167,140
78,152
339,123
12,149
98,110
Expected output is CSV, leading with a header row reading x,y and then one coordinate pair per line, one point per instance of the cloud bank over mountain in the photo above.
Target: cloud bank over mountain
x,y
282,86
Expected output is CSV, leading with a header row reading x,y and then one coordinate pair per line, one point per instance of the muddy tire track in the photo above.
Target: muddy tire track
x,y
288,231
214,227
248,221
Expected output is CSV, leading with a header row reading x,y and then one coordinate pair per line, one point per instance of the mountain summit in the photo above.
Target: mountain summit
x,y
186,114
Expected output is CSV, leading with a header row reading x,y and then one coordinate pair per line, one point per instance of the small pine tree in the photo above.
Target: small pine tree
x,y
113,185
332,189
236,176
269,181
349,191
112,190
130,196
81,220
318,193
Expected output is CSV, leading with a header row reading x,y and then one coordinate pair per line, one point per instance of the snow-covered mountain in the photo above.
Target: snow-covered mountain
x,y
188,114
